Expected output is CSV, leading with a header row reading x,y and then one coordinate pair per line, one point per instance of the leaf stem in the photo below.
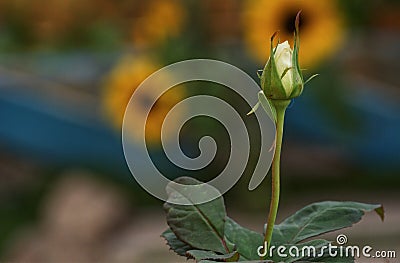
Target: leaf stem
x,y
280,107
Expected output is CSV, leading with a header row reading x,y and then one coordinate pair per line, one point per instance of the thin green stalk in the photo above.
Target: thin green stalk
x,y
280,107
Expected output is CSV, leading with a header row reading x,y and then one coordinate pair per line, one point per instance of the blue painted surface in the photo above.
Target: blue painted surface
x,y
33,125
377,143
35,128
47,134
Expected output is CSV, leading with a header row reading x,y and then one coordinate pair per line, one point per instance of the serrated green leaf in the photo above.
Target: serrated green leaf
x,y
199,255
199,225
246,240
320,218
175,244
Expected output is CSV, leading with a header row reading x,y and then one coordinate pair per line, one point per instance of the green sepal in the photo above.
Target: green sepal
x,y
297,76
285,72
254,108
267,106
311,78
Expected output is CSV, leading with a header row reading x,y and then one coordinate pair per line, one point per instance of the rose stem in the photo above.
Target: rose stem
x,y
280,107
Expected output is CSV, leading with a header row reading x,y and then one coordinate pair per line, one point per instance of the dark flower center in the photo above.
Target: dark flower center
x,y
288,20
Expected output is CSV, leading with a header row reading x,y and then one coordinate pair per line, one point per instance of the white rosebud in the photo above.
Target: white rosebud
x,y
281,78
283,60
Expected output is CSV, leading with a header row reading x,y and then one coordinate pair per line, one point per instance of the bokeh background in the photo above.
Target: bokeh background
x,y
69,67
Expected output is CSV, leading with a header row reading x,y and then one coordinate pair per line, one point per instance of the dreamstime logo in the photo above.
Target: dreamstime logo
x,y
341,239
137,156
324,250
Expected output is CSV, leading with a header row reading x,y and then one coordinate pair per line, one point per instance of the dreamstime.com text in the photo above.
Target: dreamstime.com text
x,y
330,250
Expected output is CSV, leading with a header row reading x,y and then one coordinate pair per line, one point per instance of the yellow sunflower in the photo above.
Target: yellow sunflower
x,y
159,20
321,27
119,86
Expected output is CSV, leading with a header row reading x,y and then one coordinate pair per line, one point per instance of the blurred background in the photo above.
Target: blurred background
x,y
69,67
